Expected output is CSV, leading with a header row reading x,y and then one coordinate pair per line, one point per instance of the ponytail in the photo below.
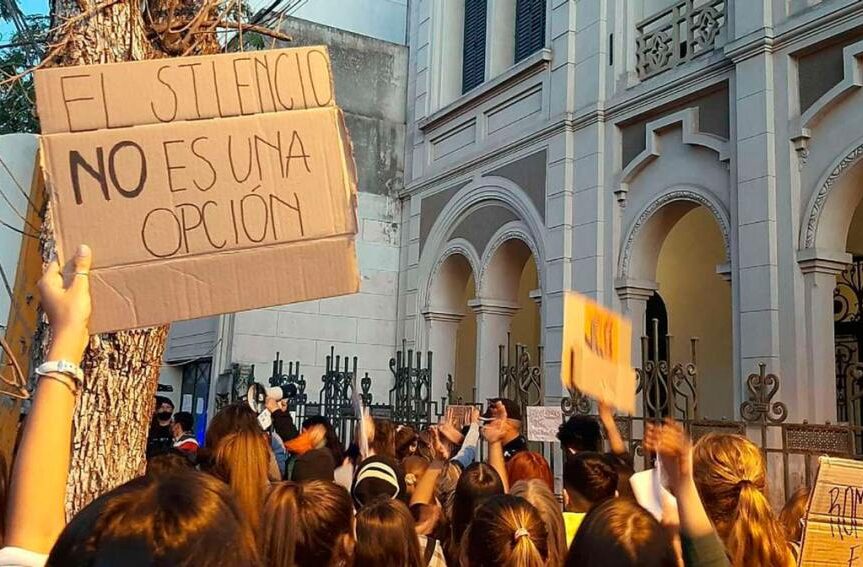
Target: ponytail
x,y
755,537
524,550
730,473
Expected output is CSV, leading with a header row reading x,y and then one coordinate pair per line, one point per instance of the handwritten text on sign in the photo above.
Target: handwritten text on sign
x,y
596,352
200,181
833,533
84,99
200,188
543,423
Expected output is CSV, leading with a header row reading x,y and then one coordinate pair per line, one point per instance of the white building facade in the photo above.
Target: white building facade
x,y
696,162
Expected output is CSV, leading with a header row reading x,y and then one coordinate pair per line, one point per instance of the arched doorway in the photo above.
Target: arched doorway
x,y
451,326
677,248
848,305
508,310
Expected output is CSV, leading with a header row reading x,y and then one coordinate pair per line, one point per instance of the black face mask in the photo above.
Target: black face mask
x,y
163,415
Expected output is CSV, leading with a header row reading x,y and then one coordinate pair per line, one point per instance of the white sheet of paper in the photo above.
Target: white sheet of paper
x,y
199,406
543,422
186,405
650,494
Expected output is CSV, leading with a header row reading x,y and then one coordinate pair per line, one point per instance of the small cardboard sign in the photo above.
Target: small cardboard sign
x,y
833,530
596,354
459,416
543,423
201,198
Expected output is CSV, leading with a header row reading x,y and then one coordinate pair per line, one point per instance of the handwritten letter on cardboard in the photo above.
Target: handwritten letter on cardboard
x,y
596,352
543,422
205,185
833,534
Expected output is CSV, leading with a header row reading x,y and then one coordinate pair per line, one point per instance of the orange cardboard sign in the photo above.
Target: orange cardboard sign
x,y
596,355
833,529
197,217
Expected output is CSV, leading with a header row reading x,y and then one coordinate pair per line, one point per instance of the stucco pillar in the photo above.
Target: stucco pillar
x,y
633,300
817,391
442,332
493,318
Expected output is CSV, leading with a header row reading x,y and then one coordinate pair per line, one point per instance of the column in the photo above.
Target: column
x,y
815,395
633,300
755,252
442,326
493,318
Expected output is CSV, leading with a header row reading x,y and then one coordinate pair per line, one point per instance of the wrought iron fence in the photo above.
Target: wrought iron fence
x,y
792,447
519,380
678,34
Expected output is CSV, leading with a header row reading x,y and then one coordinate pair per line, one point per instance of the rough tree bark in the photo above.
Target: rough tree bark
x,y
122,369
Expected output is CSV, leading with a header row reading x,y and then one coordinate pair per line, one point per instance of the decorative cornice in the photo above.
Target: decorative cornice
x,y
820,198
658,203
530,142
852,79
442,314
485,306
724,271
814,261
688,121
633,289
536,296
759,42
525,69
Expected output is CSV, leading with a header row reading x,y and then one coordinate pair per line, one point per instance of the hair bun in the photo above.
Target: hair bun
x,y
520,533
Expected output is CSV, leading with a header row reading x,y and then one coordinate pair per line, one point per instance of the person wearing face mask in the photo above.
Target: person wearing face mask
x,y
161,439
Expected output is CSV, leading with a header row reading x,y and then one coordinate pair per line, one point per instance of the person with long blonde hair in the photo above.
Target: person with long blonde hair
x,y
242,460
536,492
506,531
731,476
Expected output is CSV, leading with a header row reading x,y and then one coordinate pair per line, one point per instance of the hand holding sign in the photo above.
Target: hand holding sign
x,y
596,353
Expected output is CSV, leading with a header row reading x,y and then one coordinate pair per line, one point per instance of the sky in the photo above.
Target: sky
x,y
382,19
28,7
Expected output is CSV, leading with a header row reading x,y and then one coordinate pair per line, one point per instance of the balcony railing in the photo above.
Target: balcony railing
x,y
678,35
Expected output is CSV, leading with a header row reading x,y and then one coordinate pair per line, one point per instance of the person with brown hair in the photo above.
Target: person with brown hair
x,y
406,441
230,419
506,531
620,533
127,526
528,465
386,535
478,483
242,461
731,475
791,517
382,438
542,498
307,525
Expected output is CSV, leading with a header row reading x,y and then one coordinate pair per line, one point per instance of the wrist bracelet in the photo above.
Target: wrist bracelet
x,y
63,379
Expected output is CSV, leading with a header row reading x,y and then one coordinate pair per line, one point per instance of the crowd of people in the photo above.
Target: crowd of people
x,y
297,497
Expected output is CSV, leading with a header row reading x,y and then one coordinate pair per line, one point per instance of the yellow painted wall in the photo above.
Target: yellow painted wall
x,y
465,351
699,304
525,324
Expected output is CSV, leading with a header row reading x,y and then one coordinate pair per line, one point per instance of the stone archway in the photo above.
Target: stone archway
x,y
831,237
679,245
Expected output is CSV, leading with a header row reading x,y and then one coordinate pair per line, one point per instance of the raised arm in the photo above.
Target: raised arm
x,y
493,433
425,487
701,544
615,439
36,513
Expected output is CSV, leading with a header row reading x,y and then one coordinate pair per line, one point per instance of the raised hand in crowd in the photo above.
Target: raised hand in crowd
x,y
700,542
494,433
36,501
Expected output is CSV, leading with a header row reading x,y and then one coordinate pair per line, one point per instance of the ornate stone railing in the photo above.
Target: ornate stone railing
x,y
678,34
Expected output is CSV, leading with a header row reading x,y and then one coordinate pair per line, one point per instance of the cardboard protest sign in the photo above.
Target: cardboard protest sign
x,y
543,423
833,532
458,416
160,91
596,355
199,217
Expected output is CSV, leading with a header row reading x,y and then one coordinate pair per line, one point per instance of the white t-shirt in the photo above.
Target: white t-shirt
x,y
17,557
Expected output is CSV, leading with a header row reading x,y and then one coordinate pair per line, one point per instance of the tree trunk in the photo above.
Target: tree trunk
x,y
122,369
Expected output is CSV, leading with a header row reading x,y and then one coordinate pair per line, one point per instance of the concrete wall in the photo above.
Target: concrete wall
x,y
370,81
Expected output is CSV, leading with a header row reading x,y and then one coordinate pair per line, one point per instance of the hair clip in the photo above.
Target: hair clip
x,y
410,479
520,533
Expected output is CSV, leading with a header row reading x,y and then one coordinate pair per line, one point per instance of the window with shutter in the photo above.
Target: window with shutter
x,y
529,27
473,63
